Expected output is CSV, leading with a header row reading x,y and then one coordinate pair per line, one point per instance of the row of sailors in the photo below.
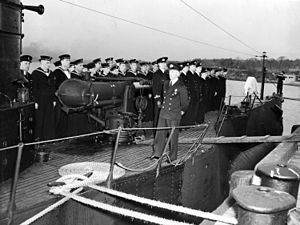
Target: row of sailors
x,y
206,87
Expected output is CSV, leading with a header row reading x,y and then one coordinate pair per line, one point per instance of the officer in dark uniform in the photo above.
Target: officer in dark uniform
x,y
175,103
25,61
159,77
43,93
78,68
132,72
60,74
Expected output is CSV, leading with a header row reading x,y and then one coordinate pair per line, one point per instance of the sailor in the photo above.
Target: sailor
x,y
97,63
110,61
118,61
105,69
91,68
175,103
281,77
25,61
221,87
200,95
43,93
149,71
154,66
187,119
56,64
114,71
60,74
122,68
159,77
146,93
132,72
78,67
143,71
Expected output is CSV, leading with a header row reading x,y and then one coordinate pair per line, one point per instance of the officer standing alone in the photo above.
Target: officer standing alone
x,y
175,103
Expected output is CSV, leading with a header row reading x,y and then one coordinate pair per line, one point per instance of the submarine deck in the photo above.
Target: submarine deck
x,y
32,189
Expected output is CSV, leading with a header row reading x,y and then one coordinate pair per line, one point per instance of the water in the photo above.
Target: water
x,y
291,109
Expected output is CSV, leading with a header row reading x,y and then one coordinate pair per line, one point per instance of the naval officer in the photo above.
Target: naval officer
x,y
175,103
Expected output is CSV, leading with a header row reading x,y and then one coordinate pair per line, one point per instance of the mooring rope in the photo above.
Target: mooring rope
x,y
49,209
124,212
163,205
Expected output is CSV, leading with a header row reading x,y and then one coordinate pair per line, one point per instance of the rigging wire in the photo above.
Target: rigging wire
x,y
209,20
154,29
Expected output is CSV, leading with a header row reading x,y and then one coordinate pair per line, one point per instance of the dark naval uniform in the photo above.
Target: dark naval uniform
x,y
159,77
130,73
175,100
75,75
43,94
61,117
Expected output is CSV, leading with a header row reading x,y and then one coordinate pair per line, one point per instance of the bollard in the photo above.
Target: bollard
x,y
240,178
258,205
280,177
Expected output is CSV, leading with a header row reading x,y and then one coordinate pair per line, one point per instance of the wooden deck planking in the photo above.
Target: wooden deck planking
x,y
32,184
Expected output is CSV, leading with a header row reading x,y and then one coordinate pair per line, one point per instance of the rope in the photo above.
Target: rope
x,y
49,209
124,212
136,170
72,137
163,205
97,133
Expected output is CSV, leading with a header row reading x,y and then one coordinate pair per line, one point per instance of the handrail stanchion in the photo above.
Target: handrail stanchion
x,y
164,152
113,160
12,198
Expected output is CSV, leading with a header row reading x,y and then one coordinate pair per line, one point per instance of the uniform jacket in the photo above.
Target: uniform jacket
x,y
42,86
175,100
157,83
130,74
59,76
76,75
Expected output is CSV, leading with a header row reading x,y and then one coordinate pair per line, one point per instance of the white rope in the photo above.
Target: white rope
x,y
163,205
124,212
49,209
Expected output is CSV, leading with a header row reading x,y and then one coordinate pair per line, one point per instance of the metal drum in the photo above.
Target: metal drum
x,y
280,177
258,205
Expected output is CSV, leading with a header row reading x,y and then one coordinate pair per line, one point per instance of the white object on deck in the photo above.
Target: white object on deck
x,y
251,86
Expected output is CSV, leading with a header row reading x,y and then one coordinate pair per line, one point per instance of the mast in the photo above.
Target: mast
x,y
263,76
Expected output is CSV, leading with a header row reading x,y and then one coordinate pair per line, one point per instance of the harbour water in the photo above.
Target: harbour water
x,y
291,108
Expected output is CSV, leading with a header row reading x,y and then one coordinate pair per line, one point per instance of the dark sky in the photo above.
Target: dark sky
x,y
264,25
